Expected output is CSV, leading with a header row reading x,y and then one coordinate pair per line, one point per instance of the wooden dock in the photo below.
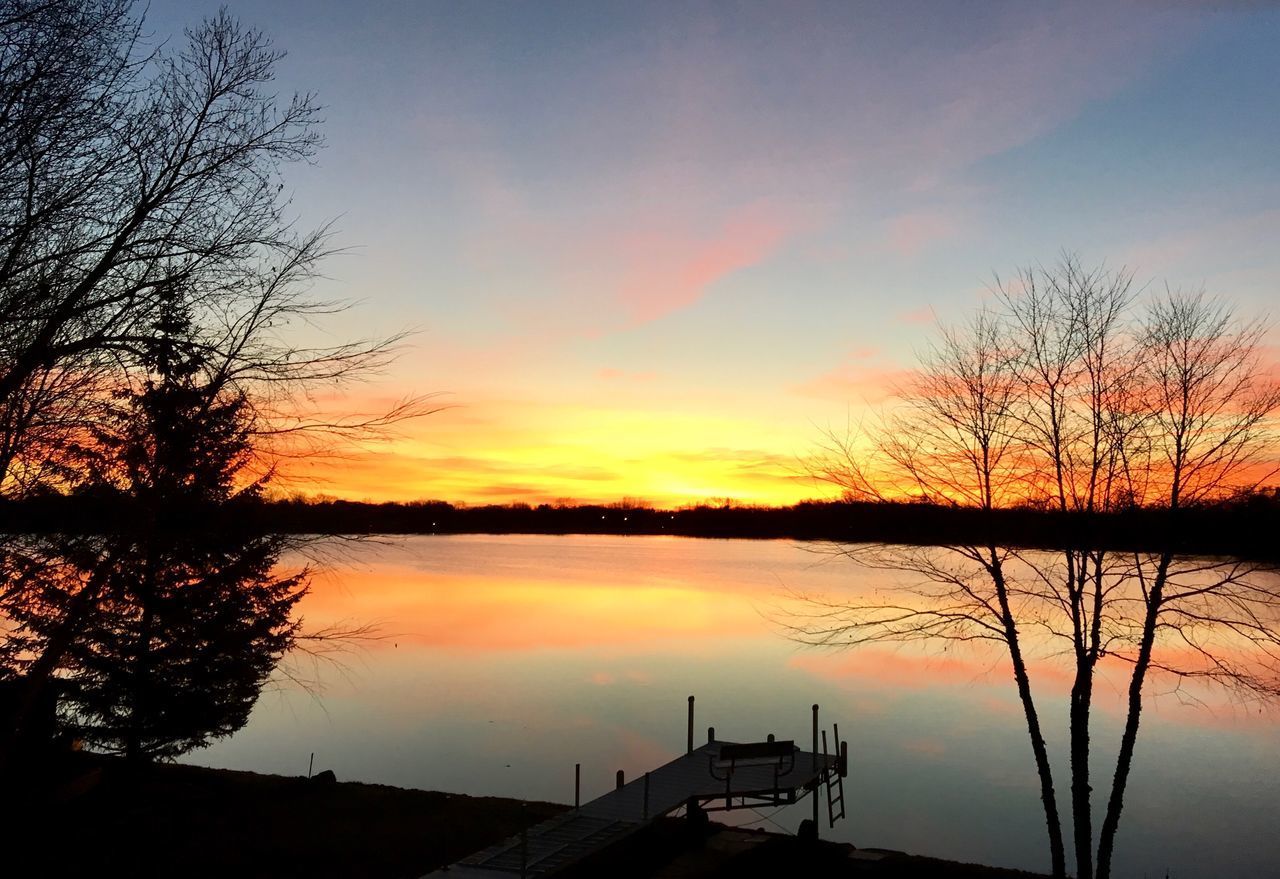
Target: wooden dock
x,y
717,776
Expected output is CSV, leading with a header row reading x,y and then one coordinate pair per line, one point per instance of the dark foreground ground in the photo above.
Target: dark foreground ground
x,y
87,815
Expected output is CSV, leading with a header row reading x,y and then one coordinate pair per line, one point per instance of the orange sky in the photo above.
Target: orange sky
x,y
501,451
653,252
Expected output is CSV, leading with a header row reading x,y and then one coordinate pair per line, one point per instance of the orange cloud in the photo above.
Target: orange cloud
x,y
498,451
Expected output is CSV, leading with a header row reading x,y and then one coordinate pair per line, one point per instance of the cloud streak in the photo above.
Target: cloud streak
x,y
665,273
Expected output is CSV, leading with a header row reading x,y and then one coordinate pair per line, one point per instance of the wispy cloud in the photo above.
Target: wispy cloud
x,y
862,377
663,273
907,235
917,316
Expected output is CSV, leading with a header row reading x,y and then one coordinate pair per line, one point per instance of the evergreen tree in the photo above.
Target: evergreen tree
x,y
190,617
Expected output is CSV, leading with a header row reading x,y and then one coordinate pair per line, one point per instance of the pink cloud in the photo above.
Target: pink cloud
x,y
922,315
666,274
855,382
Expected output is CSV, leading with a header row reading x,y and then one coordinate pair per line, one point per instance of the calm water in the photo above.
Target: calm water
x,y
507,659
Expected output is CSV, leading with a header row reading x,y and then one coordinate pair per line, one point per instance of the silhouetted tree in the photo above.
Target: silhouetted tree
x,y
1062,396
164,630
127,172
136,184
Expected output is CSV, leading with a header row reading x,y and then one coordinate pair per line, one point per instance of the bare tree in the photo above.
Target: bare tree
x,y
951,444
133,179
128,172
1067,395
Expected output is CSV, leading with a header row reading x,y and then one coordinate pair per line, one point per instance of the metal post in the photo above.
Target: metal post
x,y
646,797
690,751
620,780
577,786
815,769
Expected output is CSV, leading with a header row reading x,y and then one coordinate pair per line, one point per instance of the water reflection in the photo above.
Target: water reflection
x,y
508,659
149,642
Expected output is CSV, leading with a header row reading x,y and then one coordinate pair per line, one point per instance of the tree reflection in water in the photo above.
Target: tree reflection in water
x,y
161,631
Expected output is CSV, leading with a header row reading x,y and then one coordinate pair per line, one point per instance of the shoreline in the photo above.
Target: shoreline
x,y
1240,528
178,819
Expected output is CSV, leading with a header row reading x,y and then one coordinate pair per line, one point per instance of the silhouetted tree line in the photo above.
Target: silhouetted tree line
x,y
1247,526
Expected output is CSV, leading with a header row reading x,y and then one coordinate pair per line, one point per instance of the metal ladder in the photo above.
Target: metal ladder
x,y
834,779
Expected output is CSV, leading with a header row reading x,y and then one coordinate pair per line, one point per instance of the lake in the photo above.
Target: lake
x,y
505,660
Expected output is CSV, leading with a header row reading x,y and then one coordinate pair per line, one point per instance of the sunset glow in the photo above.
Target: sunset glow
x,y
652,251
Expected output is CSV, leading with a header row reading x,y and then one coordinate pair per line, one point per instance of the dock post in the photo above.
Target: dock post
x,y
815,770
621,779
711,734
690,750
577,786
842,752
815,737
646,797
524,852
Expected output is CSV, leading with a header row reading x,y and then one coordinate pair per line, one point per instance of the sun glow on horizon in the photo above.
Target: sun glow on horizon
x,y
652,254
646,446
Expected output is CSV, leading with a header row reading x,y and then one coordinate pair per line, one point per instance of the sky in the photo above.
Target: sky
x,y
652,251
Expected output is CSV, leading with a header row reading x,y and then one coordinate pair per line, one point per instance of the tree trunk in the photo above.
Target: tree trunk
x,y
1081,789
41,670
1081,704
1124,762
141,683
1048,797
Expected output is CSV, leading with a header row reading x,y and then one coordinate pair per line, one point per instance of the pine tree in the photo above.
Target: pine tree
x,y
190,617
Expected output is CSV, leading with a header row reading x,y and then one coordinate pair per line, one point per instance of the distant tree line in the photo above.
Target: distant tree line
x,y
1243,526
